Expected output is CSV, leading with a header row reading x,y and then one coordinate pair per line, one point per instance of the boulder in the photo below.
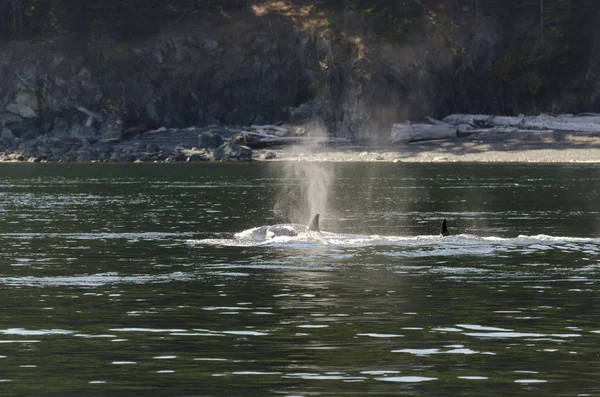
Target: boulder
x,y
9,119
209,140
7,138
83,156
198,157
176,157
234,150
112,128
28,98
21,110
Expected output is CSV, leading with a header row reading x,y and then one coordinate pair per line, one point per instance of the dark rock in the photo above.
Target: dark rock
x,y
151,148
84,156
209,140
260,120
268,155
176,157
116,156
112,128
8,119
68,156
7,138
241,117
234,150
239,139
303,113
73,127
198,157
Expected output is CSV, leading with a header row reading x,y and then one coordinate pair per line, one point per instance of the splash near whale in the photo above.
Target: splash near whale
x,y
263,233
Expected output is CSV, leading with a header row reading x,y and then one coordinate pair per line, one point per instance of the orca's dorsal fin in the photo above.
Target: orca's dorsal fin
x,y
314,225
444,229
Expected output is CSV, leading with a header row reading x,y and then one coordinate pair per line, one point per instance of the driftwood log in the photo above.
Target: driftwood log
x,y
589,123
419,132
473,124
256,140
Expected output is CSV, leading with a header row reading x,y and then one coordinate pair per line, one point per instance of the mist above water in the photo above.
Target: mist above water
x,y
307,185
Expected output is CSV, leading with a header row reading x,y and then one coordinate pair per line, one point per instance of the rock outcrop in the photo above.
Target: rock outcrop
x,y
76,97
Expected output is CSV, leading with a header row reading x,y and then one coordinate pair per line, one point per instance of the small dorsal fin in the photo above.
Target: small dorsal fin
x,y
314,225
444,229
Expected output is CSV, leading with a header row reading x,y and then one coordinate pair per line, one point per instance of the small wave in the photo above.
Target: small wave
x,y
412,246
97,236
94,280
36,332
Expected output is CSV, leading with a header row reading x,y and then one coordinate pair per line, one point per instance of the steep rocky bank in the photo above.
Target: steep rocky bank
x,y
84,97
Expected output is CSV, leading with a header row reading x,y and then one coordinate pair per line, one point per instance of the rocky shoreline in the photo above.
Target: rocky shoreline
x,y
231,144
162,145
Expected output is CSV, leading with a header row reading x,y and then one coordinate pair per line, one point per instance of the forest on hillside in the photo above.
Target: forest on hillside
x,y
542,38
20,19
500,56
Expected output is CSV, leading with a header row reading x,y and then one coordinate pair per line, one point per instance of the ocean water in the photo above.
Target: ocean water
x,y
152,280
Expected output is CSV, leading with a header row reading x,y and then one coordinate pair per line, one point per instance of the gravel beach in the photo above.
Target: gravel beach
x,y
574,148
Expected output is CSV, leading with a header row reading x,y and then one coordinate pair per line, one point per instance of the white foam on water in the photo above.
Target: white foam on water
x,y
505,335
432,351
248,333
90,336
476,327
313,326
95,280
151,330
375,335
36,332
411,246
447,329
382,372
531,381
418,352
97,236
406,379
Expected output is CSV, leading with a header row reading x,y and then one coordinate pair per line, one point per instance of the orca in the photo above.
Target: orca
x,y
444,229
285,229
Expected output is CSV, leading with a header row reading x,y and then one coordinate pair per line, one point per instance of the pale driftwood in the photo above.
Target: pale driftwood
x,y
270,130
95,115
269,127
566,122
463,131
471,119
257,140
420,132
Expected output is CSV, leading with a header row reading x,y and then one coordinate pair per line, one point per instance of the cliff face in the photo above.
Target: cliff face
x,y
276,62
